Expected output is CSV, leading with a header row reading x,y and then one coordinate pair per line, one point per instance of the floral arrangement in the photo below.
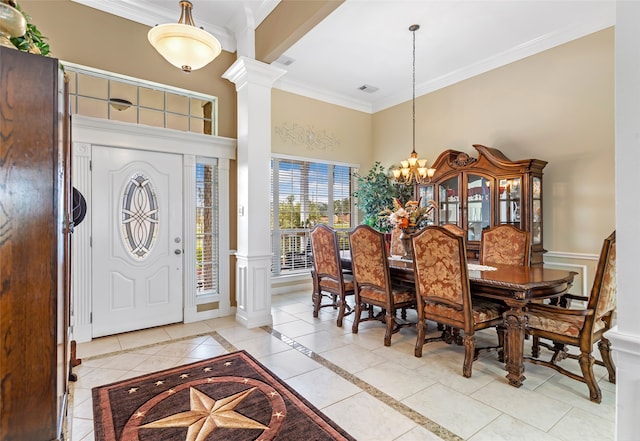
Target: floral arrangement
x,y
409,215
32,41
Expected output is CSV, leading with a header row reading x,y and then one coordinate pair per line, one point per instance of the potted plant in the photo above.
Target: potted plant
x,y
375,193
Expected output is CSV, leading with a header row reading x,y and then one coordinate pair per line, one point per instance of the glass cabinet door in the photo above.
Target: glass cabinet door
x,y
478,206
425,194
449,202
510,202
536,224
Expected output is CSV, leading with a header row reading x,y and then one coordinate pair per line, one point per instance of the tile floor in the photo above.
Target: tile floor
x,y
372,391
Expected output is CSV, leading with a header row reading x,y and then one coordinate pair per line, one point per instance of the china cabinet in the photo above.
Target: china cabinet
x,y
34,247
479,193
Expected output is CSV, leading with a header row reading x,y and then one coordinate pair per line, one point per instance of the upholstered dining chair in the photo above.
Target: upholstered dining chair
x,y
329,280
373,282
443,293
581,328
505,244
454,229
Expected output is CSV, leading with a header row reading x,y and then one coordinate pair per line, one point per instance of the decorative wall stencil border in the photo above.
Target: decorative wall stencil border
x,y
312,138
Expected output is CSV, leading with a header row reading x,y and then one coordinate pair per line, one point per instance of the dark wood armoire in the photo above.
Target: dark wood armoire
x,y
34,247
479,193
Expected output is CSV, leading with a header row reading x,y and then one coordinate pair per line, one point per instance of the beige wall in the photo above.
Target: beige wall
x,y
86,36
557,106
349,129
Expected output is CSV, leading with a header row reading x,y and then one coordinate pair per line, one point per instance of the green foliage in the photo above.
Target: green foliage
x,y
290,213
375,194
32,41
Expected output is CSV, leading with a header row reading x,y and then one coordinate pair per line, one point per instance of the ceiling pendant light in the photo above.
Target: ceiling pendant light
x,y
414,170
183,44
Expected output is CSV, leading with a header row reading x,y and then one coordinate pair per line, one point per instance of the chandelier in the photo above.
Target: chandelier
x,y
414,170
183,44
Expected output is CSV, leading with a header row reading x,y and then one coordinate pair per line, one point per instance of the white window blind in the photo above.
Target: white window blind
x,y
304,194
206,227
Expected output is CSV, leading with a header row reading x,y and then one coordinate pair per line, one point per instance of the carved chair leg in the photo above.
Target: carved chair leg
x,y
316,296
356,318
535,347
390,324
335,301
500,330
456,337
403,314
422,330
469,351
586,361
604,345
342,304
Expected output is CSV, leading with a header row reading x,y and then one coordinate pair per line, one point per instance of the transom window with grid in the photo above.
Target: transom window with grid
x,y
303,194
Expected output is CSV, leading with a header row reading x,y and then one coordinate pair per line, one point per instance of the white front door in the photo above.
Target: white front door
x,y
136,239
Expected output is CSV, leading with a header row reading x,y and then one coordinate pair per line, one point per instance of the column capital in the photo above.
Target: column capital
x,y
247,70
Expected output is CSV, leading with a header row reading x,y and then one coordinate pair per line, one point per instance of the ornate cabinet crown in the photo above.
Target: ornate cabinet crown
x,y
479,193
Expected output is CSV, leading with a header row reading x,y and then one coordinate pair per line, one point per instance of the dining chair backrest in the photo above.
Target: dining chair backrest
x,y
603,292
369,258
505,245
326,255
454,229
440,266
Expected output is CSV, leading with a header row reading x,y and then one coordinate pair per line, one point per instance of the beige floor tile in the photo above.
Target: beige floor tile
x,y
507,428
352,358
102,345
366,418
579,425
81,429
322,387
206,350
295,329
395,380
263,345
535,409
418,434
186,329
239,333
142,338
548,407
457,412
289,363
576,394
321,341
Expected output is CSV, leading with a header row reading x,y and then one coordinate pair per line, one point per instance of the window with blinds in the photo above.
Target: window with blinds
x,y
206,227
304,194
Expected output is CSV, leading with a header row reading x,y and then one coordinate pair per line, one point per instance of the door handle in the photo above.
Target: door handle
x,y
178,251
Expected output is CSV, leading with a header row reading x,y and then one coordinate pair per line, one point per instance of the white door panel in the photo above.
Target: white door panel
x,y
137,240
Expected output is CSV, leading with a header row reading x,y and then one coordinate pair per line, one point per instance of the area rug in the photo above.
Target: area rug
x,y
231,397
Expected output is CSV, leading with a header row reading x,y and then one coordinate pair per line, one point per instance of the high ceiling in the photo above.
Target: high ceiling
x,y
367,42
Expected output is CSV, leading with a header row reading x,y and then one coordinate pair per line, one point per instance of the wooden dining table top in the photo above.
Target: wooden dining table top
x,y
517,282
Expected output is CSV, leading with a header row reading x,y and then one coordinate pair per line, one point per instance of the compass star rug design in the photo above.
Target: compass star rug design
x,y
231,397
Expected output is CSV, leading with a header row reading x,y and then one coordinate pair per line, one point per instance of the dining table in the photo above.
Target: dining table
x,y
514,285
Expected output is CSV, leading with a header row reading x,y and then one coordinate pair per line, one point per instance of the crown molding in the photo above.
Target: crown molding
x,y
149,15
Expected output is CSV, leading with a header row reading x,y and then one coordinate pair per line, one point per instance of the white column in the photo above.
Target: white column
x,y
625,337
253,81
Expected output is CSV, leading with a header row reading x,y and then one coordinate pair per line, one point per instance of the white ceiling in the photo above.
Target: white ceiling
x,y
368,42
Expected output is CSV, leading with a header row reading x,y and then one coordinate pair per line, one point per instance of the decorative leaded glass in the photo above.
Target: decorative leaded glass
x,y
139,216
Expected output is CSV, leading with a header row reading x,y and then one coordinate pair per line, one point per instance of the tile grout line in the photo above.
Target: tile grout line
x,y
402,408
